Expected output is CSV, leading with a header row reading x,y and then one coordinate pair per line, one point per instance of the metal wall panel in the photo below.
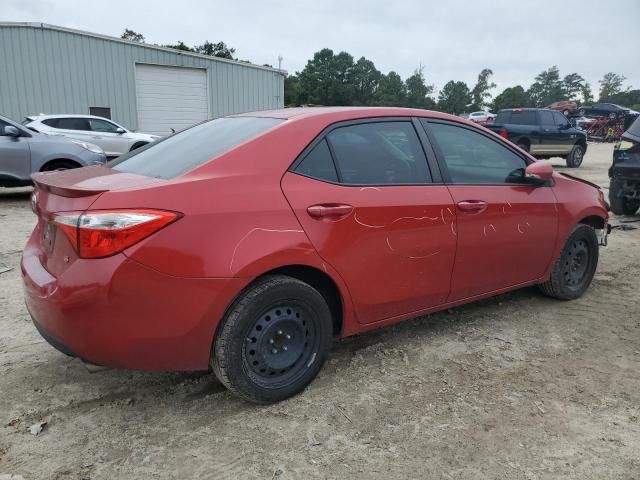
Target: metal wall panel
x,y
46,69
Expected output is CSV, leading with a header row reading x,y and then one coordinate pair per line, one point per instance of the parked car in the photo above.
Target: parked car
x,y
481,116
114,139
248,243
610,110
23,152
543,133
564,106
624,173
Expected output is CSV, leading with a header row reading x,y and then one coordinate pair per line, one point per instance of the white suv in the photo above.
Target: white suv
x,y
114,139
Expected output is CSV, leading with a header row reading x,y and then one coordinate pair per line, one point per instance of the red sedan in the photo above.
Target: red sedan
x,y
248,243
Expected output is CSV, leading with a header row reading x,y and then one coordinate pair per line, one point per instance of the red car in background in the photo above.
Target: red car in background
x,y
248,243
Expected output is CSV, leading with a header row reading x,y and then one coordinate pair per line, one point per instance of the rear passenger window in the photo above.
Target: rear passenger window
x,y
523,117
318,164
379,153
72,124
476,159
546,118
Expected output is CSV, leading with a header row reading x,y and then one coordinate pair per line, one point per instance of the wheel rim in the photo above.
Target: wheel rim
x,y
577,263
280,344
577,156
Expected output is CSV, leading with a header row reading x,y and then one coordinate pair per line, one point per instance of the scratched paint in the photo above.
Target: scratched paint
x,y
355,217
250,232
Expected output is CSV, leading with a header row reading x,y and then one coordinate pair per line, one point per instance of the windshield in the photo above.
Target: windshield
x,y
190,148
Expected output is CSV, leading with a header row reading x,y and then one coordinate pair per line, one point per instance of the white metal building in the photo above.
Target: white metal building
x,y
49,69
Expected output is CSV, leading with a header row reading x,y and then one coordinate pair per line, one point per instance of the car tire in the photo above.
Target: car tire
x,y
581,112
273,340
574,270
620,205
575,157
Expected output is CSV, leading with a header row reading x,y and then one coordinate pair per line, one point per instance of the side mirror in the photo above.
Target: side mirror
x,y
566,126
11,131
538,173
120,130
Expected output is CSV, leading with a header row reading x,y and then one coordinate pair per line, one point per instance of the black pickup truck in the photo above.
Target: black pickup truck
x,y
543,133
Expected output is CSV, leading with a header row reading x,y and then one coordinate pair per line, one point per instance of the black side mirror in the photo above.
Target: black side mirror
x,y
11,131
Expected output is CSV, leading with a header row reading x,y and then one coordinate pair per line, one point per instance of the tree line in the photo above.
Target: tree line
x,y
338,79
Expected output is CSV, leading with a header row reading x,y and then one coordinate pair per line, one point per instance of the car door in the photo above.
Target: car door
x,y
72,127
552,141
506,228
566,132
366,198
15,157
114,143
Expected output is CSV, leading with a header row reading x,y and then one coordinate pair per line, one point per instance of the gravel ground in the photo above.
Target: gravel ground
x,y
517,387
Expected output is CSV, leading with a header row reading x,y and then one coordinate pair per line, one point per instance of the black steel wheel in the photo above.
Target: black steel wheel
x,y
574,270
273,341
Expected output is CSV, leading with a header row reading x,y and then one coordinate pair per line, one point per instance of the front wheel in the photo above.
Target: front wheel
x,y
273,341
574,270
574,159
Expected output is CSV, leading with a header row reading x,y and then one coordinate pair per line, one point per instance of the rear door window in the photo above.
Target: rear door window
x,y
102,126
523,117
190,148
318,164
546,119
379,153
71,124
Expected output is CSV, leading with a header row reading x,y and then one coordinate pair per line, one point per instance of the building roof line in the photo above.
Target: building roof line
x,y
46,26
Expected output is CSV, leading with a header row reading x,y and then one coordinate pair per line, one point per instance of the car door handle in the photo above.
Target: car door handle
x,y
472,206
329,211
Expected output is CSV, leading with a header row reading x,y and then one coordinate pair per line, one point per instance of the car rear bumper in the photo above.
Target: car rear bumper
x,y
116,312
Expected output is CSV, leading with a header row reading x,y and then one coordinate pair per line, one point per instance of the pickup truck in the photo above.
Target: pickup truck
x,y
542,132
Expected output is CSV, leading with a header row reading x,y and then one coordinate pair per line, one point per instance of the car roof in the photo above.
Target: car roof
x,y
43,116
344,113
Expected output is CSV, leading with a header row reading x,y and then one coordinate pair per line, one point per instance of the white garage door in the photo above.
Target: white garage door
x,y
170,97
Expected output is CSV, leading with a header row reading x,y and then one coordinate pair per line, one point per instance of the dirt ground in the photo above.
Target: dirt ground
x,y
516,387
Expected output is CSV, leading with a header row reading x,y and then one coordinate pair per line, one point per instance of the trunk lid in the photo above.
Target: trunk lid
x,y
71,191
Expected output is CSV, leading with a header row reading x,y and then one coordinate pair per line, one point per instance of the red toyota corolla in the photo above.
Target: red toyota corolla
x,y
248,243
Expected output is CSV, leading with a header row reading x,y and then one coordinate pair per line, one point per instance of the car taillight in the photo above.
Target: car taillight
x,y
503,133
102,233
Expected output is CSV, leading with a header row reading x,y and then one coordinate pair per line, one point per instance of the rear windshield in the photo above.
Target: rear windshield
x,y
517,117
186,150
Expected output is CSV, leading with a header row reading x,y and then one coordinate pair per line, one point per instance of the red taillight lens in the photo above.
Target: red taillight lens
x,y
102,233
503,133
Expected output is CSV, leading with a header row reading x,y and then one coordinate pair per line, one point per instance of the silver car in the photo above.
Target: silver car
x,y
23,151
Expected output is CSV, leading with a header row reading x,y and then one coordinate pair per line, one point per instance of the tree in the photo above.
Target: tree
x,y
480,93
180,46
326,79
292,91
418,92
454,97
611,84
573,85
547,88
512,97
392,90
365,79
628,98
219,49
587,94
132,36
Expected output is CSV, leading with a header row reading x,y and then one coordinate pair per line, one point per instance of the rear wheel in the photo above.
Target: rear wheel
x,y
573,272
619,204
574,159
273,341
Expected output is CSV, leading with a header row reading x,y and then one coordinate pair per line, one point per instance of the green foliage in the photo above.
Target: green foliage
x,y
512,97
610,85
292,91
132,36
587,94
547,88
480,94
573,86
628,98
418,92
365,79
455,97
219,49
392,91
180,46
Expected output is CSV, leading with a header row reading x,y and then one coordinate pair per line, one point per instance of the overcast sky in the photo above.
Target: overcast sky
x,y
451,39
